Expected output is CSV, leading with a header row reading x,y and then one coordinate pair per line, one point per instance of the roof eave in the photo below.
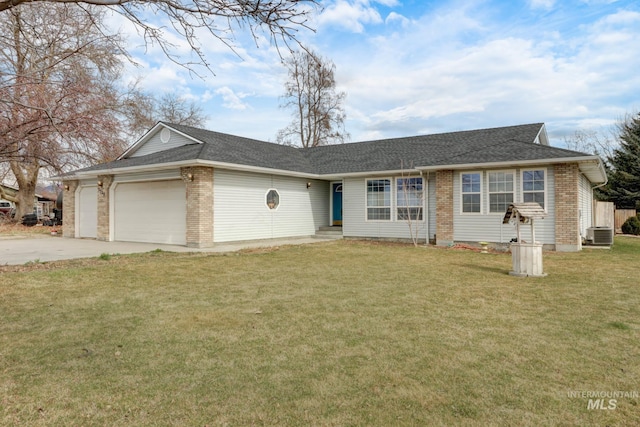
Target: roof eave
x,y
591,166
186,163
333,176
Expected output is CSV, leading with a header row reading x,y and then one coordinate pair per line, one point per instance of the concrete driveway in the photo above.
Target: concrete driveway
x,y
17,251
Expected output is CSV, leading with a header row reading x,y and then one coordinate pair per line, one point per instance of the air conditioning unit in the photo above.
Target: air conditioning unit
x,y
602,236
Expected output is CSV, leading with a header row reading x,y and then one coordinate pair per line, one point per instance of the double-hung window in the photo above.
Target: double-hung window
x,y
379,199
500,191
533,186
471,192
409,198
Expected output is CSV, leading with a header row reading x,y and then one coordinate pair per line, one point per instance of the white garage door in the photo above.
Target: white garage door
x,y
88,212
153,212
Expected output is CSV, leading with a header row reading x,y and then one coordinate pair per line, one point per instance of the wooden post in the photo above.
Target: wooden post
x,y
533,232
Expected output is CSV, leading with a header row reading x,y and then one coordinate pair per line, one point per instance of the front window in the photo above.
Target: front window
x,y
409,198
379,199
471,192
533,186
500,191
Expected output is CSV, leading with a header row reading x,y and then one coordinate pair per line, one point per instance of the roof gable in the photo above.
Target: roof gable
x,y
231,149
161,137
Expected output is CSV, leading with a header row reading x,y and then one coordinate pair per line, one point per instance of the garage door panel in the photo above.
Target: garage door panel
x,y
88,212
153,212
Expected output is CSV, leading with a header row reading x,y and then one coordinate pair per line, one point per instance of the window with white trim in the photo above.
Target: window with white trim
x,y
533,186
272,199
471,188
379,199
500,191
409,198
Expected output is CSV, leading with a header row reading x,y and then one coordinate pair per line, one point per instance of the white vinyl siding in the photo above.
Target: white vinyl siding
x,y
585,204
148,176
489,227
241,213
150,211
87,208
155,144
355,223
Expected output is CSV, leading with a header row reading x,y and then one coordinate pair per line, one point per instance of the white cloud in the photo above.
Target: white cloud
x,y
206,96
394,17
351,16
388,3
166,78
460,65
541,4
456,70
231,99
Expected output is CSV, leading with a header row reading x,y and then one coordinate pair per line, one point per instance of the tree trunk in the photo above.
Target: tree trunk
x,y
27,177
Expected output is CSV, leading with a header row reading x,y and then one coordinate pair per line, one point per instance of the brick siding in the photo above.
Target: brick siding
x,y
199,182
444,207
103,206
567,208
69,208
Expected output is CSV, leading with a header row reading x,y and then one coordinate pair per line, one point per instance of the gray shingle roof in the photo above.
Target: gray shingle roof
x,y
504,144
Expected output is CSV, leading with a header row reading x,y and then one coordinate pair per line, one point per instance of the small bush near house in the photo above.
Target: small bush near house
x,y
631,226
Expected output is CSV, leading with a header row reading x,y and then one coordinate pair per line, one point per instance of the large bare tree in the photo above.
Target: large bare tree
x,y
592,142
279,19
310,92
58,70
58,92
170,107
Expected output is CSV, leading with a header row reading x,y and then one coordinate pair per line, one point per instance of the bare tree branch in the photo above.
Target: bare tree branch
x,y
279,19
318,115
57,82
411,208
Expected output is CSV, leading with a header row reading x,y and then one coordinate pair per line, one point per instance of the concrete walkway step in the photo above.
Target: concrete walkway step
x,y
329,232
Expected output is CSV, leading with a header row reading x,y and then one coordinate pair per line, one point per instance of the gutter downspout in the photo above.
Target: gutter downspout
x,y
606,178
425,190
593,203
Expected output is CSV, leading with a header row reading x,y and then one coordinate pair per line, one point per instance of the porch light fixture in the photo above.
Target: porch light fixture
x,y
189,176
99,183
66,187
308,184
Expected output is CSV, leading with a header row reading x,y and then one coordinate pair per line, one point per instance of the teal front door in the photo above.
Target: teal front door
x,y
336,191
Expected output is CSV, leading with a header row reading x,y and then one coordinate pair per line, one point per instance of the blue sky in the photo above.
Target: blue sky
x,y
414,67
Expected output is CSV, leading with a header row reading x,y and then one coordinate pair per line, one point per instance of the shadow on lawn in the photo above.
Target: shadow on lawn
x,y
486,268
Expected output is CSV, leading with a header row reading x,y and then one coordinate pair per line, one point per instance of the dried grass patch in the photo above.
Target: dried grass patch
x,y
345,333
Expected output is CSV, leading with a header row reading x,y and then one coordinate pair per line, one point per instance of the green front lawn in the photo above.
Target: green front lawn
x,y
336,334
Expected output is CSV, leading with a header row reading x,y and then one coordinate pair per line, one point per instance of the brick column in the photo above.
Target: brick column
x,y
199,182
444,207
103,206
69,208
567,214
